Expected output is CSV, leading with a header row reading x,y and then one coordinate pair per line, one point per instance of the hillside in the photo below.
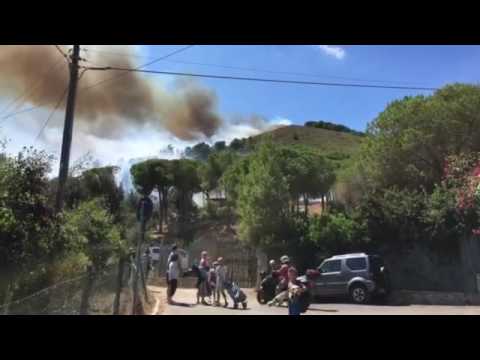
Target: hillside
x,y
327,141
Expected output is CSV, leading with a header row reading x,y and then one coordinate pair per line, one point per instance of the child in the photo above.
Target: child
x,y
295,290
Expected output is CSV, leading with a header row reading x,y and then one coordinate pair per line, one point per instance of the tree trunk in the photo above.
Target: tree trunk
x,y
305,203
87,291
118,290
160,209
323,203
165,205
298,205
8,297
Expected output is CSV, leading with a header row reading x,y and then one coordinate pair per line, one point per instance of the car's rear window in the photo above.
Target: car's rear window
x,y
156,251
357,263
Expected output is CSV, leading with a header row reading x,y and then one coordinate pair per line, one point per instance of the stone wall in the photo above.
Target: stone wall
x,y
406,297
419,269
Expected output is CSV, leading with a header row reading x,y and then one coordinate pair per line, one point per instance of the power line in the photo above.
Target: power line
x,y
281,81
258,70
32,108
139,67
54,110
29,90
125,54
61,52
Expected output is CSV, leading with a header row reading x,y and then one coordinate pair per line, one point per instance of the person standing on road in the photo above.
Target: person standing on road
x,y
172,252
221,271
212,282
204,269
173,273
295,290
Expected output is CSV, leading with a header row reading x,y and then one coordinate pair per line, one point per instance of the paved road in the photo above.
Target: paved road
x,y
187,296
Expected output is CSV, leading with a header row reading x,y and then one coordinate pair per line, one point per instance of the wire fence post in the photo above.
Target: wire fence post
x,y
8,298
119,286
87,291
136,299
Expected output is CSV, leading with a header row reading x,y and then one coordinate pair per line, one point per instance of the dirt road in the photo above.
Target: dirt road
x,y
187,297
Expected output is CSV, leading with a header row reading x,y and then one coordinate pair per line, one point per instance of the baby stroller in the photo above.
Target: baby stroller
x,y
236,294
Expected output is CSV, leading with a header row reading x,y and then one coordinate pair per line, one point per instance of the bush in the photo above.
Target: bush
x,y
337,233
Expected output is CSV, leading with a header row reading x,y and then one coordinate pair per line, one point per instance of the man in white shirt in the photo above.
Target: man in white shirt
x,y
173,273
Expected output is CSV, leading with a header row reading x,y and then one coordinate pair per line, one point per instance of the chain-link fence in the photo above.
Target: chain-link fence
x,y
104,293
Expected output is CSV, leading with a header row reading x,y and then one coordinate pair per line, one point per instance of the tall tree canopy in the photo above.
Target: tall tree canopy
x,y
408,143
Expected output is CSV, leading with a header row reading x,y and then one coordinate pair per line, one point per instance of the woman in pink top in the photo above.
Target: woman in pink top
x,y
204,260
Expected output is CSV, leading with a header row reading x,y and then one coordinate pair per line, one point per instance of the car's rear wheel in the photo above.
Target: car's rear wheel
x,y
359,294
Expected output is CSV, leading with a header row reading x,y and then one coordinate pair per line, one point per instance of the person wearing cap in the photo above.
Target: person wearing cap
x,y
272,266
221,272
282,273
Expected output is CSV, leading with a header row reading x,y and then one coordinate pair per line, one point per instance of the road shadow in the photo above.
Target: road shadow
x,y
183,305
323,310
373,302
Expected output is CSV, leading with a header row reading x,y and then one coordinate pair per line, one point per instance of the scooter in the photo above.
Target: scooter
x,y
308,281
268,287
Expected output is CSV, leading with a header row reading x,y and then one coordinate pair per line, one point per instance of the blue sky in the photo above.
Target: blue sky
x,y
423,66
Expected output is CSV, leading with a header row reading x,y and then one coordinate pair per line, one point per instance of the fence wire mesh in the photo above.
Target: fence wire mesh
x,y
110,293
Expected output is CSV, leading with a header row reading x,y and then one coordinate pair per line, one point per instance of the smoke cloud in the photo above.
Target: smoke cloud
x,y
107,110
260,123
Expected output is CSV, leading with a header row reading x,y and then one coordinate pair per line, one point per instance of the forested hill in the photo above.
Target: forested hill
x,y
327,141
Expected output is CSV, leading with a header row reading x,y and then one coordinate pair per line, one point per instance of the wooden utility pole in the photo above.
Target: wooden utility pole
x,y
68,128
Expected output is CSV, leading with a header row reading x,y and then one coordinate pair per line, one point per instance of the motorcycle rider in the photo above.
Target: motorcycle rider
x,y
272,266
283,285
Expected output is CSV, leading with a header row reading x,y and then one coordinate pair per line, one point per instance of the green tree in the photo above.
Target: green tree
x,y
199,152
212,171
334,233
186,180
263,199
95,235
219,146
308,174
30,231
155,174
408,143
